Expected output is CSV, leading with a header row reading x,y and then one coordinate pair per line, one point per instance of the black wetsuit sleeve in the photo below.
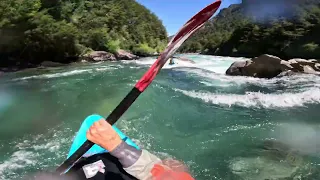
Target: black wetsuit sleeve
x,y
126,154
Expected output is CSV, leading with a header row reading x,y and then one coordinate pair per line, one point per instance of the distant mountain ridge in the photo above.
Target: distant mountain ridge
x,y
285,28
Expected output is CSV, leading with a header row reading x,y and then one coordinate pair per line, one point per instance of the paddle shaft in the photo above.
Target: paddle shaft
x,y
184,33
112,118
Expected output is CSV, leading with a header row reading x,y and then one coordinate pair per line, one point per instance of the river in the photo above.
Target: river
x,y
192,112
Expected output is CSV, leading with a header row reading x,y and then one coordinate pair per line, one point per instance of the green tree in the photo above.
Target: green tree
x,y
36,30
247,30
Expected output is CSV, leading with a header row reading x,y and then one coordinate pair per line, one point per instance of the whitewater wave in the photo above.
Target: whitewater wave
x,y
142,61
54,75
246,127
117,66
134,67
34,151
50,146
17,160
215,64
105,68
221,80
258,99
211,70
70,73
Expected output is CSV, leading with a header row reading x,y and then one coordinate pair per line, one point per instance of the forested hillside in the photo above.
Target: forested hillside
x,y
285,28
32,31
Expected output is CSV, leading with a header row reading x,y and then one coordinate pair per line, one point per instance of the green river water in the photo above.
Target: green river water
x,y
192,112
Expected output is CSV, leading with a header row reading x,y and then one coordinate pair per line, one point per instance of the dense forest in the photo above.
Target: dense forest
x,y
285,28
32,31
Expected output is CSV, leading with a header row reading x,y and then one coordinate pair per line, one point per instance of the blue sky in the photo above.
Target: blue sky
x,y
174,13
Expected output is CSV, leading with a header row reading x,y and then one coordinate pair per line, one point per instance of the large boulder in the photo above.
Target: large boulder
x,y
236,68
307,66
268,66
124,55
98,56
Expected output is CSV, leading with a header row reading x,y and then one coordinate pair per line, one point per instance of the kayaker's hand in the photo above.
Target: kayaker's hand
x,y
102,133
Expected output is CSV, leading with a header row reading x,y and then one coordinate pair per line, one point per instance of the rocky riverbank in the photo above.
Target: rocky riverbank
x,y
94,56
268,66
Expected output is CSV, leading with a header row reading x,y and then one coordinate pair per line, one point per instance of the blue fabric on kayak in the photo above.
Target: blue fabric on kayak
x,y
95,149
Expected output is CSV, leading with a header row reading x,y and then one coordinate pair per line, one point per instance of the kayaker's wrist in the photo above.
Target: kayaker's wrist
x,y
126,154
112,143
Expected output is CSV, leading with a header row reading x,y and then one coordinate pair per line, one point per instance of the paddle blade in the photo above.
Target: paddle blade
x,y
185,32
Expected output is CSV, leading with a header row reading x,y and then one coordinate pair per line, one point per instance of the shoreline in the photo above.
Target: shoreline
x,y
91,57
50,64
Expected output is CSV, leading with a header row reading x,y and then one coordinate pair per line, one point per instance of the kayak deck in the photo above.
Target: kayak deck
x,y
80,137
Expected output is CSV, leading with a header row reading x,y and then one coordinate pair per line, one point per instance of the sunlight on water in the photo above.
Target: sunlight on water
x,y
216,124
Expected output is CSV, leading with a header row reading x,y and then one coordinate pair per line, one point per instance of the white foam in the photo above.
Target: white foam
x,y
245,127
55,75
142,61
34,151
214,79
211,70
133,67
117,66
18,160
105,68
215,64
258,99
50,146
